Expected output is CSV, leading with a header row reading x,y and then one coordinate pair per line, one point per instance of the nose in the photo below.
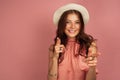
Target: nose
x,y
72,25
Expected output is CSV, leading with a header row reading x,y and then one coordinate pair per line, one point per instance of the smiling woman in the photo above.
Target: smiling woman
x,y
73,56
72,25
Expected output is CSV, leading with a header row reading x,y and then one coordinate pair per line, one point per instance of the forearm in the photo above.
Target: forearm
x,y
52,74
91,74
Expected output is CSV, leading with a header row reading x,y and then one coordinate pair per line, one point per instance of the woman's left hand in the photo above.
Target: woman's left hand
x,y
91,61
92,55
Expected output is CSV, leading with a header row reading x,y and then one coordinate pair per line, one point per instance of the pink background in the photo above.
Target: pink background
x,y
27,30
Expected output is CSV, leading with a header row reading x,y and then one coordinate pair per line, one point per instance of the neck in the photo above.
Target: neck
x,y
71,39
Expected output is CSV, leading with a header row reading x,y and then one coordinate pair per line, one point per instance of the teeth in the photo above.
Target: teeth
x,y
72,31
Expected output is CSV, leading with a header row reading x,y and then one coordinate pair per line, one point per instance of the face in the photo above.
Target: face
x,y
72,26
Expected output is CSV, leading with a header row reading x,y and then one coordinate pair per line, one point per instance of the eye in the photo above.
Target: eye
x,y
77,22
67,22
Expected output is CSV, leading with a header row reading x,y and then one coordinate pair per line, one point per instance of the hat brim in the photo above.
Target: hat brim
x,y
71,6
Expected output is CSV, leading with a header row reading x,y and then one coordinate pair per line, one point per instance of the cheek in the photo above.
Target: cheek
x,y
78,28
66,31
66,28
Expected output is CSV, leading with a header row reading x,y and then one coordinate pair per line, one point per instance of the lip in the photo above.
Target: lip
x,y
71,31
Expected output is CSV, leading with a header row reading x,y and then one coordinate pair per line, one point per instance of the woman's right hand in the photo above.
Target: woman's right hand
x,y
58,48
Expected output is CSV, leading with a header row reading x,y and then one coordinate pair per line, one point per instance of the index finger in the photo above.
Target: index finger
x,y
58,42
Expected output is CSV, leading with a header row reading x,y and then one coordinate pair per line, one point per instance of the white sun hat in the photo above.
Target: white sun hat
x,y
71,6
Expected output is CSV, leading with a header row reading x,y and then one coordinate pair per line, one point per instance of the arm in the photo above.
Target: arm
x,y
91,74
53,65
92,62
53,59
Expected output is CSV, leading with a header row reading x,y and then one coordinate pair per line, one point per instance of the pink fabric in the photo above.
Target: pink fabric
x,y
72,67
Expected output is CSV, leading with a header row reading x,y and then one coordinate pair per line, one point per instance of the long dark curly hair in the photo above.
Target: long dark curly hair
x,y
82,38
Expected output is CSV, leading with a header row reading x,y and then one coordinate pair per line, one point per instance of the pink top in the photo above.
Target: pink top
x,y
72,67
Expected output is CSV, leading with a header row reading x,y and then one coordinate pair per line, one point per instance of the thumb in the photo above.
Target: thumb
x,y
58,42
92,49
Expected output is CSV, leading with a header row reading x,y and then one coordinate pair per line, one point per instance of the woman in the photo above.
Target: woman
x,y
73,56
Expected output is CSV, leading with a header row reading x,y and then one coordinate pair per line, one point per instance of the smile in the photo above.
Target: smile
x,y
72,31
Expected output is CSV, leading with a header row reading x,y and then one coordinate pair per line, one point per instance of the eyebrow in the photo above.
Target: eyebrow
x,y
71,20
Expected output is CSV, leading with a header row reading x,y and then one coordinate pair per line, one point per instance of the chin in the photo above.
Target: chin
x,y
72,36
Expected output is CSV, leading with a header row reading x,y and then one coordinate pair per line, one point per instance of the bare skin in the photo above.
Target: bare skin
x,y
72,29
53,66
